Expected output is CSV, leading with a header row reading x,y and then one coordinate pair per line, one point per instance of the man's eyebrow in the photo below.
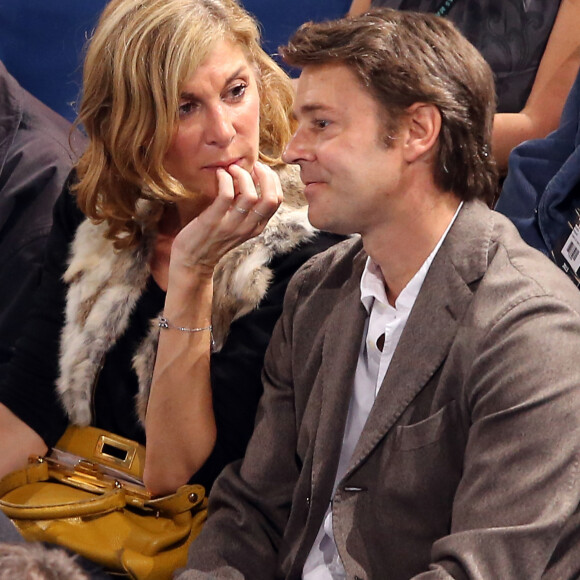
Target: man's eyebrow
x,y
310,108
193,97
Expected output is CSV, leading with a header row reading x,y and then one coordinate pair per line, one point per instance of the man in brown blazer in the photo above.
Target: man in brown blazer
x,y
421,413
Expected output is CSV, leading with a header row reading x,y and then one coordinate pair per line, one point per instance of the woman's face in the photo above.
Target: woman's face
x,y
219,112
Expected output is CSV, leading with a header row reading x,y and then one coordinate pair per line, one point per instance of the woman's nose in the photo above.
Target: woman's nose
x,y
220,130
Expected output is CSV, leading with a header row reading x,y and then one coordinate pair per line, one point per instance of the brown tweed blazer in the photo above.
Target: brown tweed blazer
x,y
468,466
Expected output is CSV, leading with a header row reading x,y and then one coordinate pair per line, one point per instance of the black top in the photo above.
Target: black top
x,y
510,34
28,388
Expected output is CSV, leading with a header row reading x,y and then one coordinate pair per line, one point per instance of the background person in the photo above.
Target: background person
x,y
37,152
541,192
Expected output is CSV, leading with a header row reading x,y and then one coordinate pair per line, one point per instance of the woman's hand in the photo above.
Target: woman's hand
x,y
180,423
240,211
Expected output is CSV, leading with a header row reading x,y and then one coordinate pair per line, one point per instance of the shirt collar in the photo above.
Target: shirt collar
x,y
372,284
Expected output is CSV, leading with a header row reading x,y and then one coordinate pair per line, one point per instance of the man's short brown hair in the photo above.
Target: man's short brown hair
x,y
407,57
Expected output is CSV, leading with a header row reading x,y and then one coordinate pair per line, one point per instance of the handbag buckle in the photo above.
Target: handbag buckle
x,y
118,453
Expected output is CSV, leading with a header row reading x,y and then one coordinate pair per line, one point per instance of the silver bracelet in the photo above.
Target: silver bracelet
x,y
164,323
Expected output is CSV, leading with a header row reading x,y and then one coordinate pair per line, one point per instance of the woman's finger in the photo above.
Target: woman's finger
x,y
225,196
246,195
271,189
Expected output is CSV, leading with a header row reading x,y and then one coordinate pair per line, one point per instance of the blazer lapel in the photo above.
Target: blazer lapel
x,y
444,297
339,359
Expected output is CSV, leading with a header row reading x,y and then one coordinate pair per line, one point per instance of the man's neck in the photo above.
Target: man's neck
x,y
401,247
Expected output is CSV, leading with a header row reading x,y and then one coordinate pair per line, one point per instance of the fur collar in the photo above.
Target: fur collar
x,y
104,286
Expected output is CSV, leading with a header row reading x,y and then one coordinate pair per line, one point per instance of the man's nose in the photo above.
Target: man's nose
x,y
296,149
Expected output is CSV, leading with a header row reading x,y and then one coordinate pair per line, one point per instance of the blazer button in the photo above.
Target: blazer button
x,y
308,502
354,489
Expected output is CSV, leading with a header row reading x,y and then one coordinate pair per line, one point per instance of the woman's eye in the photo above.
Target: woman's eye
x,y
321,123
237,91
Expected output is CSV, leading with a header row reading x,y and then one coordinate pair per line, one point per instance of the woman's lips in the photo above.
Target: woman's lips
x,y
224,164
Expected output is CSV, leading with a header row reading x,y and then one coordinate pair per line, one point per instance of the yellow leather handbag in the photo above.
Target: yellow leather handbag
x,y
88,495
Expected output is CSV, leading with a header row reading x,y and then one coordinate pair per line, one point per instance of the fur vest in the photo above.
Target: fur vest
x,y
104,286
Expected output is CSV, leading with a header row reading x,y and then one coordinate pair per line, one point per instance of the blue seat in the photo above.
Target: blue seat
x,y
41,43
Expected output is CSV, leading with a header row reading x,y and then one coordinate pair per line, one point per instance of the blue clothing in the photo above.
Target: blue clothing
x,y
542,189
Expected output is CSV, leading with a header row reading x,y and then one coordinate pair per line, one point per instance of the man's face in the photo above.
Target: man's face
x,y
348,171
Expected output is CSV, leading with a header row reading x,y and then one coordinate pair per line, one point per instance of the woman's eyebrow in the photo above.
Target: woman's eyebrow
x,y
193,97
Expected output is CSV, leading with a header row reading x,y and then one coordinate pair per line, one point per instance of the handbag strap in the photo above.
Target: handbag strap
x,y
102,504
38,472
186,498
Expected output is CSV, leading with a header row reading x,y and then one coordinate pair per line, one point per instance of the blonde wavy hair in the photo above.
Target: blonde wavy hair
x,y
138,58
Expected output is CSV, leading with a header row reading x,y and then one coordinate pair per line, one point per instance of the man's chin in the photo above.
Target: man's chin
x,y
322,222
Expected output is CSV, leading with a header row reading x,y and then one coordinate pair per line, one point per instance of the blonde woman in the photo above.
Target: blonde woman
x,y
171,249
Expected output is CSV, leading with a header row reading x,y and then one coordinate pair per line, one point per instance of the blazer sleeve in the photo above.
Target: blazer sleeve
x,y
515,511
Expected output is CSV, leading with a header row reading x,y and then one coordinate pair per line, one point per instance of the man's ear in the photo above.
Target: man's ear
x,y
422,127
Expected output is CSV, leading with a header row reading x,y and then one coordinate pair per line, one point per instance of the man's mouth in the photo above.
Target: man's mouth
x,y
311,181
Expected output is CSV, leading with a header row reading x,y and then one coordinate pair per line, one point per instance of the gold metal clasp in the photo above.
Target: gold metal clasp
x,y
85,467
115,452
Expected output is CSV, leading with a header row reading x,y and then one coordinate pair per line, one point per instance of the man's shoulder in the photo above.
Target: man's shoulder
x,y
327,278
517,272
29,123
47,134
486,267
342,260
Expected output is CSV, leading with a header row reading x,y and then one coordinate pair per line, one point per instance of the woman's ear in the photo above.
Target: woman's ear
x,y
422,127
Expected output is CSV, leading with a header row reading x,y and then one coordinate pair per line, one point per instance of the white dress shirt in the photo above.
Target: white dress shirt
x,y
323,562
